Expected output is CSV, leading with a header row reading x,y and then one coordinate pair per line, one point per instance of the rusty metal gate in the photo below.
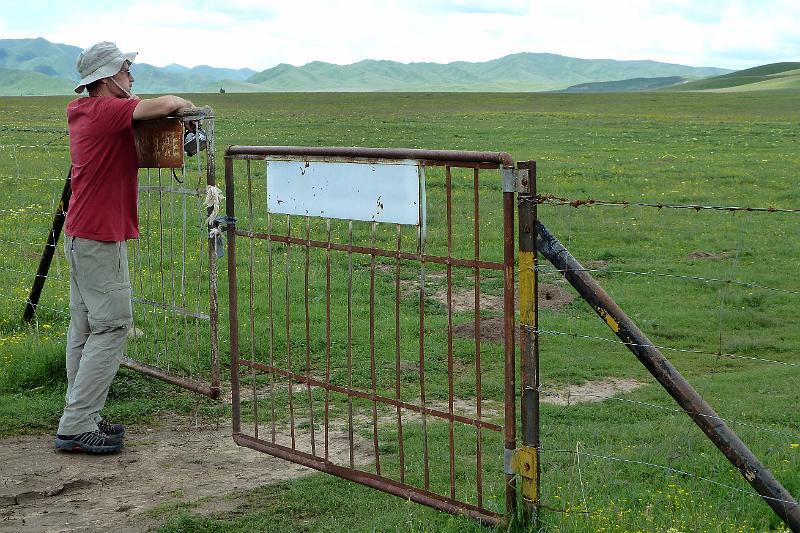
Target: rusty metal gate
x,y
381,348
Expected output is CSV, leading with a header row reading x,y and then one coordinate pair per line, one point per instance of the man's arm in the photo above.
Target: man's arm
x,y
160,107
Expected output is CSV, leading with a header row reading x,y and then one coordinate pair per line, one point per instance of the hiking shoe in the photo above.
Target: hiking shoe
x,y
91,441
112,430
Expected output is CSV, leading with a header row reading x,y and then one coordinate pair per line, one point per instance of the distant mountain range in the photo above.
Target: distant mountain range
x,y
37,66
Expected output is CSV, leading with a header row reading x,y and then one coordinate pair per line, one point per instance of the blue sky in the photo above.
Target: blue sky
x,y
260,34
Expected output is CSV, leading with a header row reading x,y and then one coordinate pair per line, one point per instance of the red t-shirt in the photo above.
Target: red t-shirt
x,y
104,169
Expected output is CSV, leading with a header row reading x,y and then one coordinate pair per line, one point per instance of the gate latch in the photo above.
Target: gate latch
x,y
225,222
516,180
221,224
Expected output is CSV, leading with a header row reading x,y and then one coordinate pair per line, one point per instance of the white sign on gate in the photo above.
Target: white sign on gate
x,y
392,192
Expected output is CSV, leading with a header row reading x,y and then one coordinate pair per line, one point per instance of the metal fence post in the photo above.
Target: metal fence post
x,y
509,326
233,296
528,455
49,250
213,304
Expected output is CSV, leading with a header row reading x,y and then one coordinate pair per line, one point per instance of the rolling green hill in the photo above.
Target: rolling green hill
x,y
775,76
624,86
39,55
19,58
523,72
21,82
517,72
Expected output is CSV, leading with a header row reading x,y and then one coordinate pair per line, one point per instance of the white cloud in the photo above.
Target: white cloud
x,y
507,7
259,35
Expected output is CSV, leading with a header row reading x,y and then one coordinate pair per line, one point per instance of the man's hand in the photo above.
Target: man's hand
x,y
160,107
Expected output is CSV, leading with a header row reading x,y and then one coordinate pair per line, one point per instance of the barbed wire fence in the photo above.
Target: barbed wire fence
x,y
715,287
172,271
33,167
722,302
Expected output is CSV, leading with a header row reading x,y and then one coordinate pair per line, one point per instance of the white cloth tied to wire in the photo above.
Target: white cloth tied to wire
x,y
213,197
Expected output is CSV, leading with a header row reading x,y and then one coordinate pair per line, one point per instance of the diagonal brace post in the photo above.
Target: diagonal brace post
x,y
725,439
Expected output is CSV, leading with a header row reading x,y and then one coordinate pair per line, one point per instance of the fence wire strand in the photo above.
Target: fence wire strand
x,y
665,468
681,350
728,420
746,284
550,199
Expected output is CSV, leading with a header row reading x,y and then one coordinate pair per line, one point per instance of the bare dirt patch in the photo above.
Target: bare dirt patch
x,y
409,288
464,300
590,391
551,296
42,490
554,297
708,256
492,329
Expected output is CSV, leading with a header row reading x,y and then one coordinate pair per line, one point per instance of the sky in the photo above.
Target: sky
x,y
260,34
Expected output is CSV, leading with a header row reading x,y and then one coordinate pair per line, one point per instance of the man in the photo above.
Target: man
x,y
102,217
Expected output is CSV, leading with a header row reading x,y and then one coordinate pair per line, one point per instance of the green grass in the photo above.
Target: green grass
x,y
674,148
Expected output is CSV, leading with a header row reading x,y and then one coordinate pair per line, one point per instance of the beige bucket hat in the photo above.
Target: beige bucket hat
x,y
100,61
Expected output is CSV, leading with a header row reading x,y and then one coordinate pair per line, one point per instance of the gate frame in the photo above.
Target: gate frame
x,y
521,462
211,390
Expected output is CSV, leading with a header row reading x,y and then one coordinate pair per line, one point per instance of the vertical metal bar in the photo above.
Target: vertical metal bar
x,y
149,246
135,274
308,340
211,179
327,333
372,353
288,333
161,263
449,194
184,224
210,247
425,455
397,358
252,319
510,429
138,273
271,323
233,298
478,392
350,339
173,331
529,338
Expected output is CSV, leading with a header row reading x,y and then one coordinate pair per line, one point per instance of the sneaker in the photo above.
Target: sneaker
x,y
91,441
112,430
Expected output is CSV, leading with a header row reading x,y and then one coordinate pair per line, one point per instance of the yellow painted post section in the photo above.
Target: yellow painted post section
x,y
525,463
527,289
613,324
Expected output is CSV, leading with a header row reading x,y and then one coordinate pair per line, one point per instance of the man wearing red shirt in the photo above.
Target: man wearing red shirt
x,y
102,217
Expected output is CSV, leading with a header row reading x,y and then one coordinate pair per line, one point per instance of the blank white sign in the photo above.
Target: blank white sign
x,y
373,192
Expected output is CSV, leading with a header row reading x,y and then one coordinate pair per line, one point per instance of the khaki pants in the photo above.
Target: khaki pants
x,y
100,316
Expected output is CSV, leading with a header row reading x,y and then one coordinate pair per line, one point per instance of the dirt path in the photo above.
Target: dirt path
x,y
42,490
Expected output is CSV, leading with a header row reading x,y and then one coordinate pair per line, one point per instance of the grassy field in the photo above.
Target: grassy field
x,y
630,463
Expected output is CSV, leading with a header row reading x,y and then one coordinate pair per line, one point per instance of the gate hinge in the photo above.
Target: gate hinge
x,y
516,180
524,462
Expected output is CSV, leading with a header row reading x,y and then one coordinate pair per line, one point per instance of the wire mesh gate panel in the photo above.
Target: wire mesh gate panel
x,y
172,264
355,344
174,272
